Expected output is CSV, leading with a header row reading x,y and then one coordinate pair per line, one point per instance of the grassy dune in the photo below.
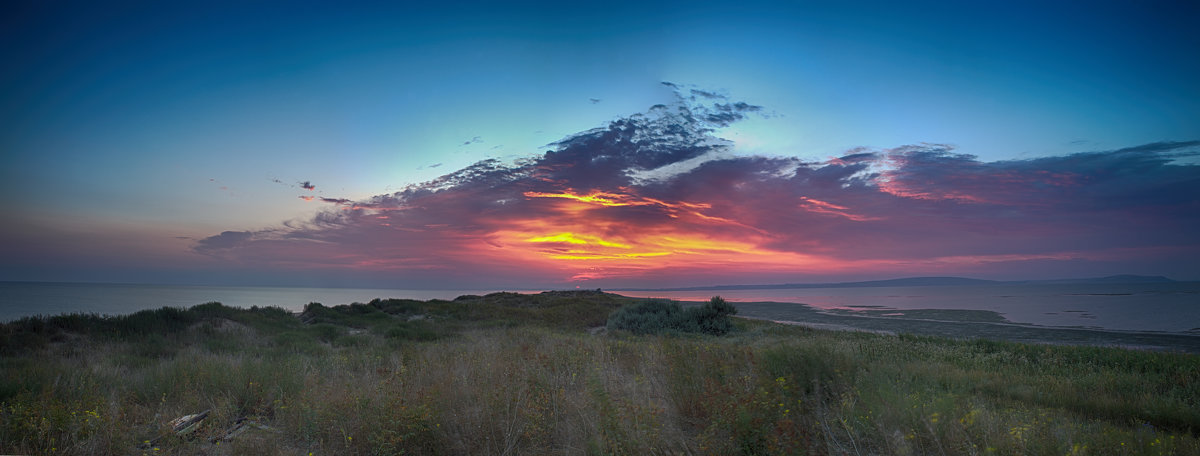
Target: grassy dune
x,y
520,374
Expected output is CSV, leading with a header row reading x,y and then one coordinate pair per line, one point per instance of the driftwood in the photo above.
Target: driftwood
x,y
181,426
189,423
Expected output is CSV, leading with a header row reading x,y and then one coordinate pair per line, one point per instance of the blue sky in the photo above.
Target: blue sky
x,y
132,130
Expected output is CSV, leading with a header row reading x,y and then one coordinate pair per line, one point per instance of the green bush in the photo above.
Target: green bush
x,y
647,317
656,316
711,318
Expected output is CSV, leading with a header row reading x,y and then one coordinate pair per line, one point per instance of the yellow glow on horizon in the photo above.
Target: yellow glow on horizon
x,y
579,234
612,256
698,244
572,238
586,247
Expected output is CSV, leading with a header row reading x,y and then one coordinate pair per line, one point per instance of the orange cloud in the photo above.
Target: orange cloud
x,y
822,207
583,236
577,214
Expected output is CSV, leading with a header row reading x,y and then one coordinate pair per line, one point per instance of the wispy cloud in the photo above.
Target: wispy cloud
x,y
578,212
225,240
307,185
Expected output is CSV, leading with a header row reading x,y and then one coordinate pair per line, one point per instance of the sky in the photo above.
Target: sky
x,y
563,144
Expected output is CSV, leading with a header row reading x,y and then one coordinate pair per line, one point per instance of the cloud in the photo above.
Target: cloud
x,y
224,241
326,200
723,114
580,213
474,140
594,100
307,185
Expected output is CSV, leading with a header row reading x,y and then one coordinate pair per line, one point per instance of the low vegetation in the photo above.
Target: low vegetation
x,y
533,374
656,316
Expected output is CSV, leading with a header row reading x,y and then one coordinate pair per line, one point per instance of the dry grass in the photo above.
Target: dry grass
x,y
355,387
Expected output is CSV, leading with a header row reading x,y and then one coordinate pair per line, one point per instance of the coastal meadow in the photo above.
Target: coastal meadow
x,y
509,373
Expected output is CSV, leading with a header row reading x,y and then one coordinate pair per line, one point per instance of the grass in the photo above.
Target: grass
x,y
522,374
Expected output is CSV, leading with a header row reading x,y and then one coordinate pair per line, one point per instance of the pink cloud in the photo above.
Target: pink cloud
x,y
575,214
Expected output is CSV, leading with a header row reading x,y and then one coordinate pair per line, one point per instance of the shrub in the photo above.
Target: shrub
x,y
711,318
655,316
165,320
647,317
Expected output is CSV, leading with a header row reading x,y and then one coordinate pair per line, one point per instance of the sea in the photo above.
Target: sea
x,y
1172,307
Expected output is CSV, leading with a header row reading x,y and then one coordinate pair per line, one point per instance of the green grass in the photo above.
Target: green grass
x,y
521,374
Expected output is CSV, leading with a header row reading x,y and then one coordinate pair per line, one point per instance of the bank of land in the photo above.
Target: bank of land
x,y
512,373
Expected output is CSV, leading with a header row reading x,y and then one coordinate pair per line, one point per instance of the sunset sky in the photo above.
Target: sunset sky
x,y
616,144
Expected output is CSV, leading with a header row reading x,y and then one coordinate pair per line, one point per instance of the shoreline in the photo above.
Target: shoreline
x,y
804,315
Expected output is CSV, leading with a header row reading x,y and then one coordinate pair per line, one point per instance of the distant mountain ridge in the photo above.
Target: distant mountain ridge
x,y
923,282
1122,278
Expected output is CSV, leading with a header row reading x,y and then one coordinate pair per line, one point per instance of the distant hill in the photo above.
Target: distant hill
x,y
920,282
1123,278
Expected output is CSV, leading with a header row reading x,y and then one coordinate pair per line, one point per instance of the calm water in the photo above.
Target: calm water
x,y
20,299
1173,307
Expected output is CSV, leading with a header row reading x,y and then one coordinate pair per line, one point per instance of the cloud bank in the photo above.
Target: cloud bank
x,y
658,198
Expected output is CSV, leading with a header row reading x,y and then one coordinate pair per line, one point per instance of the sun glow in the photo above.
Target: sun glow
x,y
582,239
585,235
